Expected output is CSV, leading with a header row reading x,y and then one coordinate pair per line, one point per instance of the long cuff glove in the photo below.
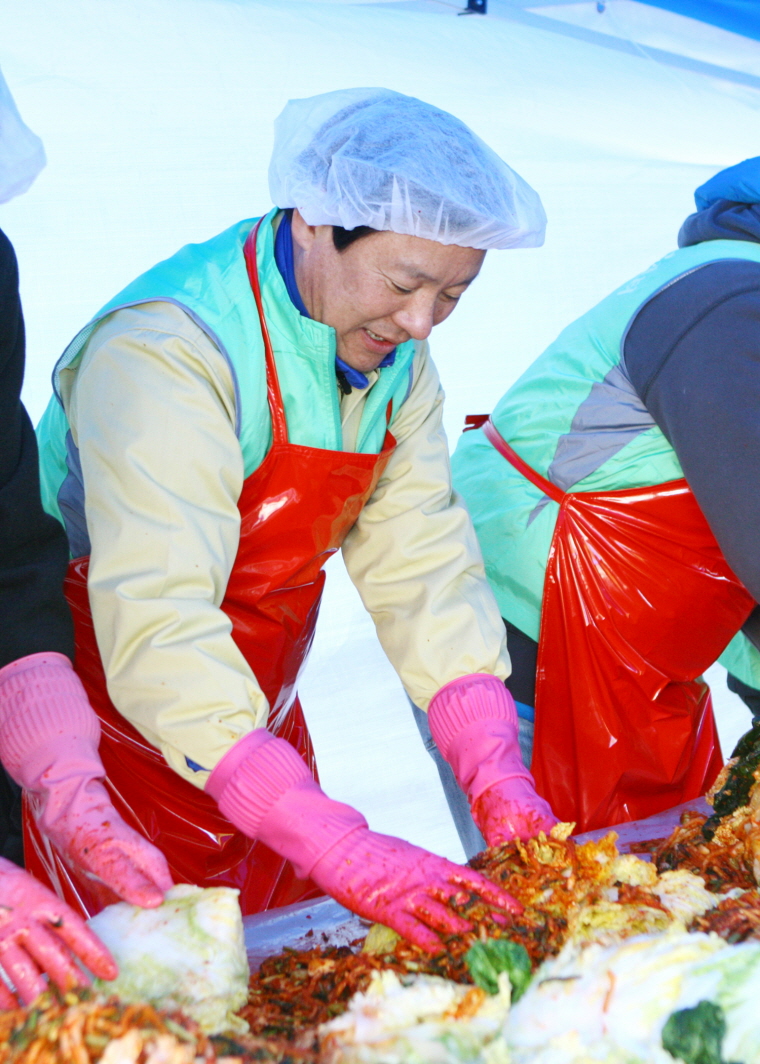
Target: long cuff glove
x,y
49,737
265,789
474,723
40,934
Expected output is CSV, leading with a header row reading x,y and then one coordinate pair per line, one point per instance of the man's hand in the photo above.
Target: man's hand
x,y
81,822
392,882
49,737
474,723
266,790
40,935
512,809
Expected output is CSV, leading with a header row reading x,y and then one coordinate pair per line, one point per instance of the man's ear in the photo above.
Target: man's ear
x,y
304,235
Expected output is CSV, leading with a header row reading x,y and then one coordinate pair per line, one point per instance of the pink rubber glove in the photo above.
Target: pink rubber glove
x,y
266,790
49,737
40,933
474,723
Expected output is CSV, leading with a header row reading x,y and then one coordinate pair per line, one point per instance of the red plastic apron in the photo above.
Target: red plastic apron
x,y
296,509
638,601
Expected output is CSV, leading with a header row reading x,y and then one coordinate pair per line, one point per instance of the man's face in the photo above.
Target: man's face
x,y
381,290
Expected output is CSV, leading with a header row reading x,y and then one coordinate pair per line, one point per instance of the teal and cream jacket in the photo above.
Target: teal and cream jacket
x,y
161,414
577,419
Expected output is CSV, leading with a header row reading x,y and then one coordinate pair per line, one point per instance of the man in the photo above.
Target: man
x,y
619,580
224,425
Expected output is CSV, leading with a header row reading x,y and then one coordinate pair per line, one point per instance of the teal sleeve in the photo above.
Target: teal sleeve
x,y
742,660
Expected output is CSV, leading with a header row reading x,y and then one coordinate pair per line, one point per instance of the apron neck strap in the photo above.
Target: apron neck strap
x,y
494,437
274,395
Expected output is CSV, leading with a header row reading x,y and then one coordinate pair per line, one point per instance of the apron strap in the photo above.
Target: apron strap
x,y
494,437
274,395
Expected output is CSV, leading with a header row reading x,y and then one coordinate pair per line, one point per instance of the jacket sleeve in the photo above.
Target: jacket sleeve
x,y
152,411
34,616
415,560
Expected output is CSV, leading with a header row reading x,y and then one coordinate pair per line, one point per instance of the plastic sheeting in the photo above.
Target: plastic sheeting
x,y
21,153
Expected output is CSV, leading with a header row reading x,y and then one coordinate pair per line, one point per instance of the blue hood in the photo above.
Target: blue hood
x,y
740,183
728,206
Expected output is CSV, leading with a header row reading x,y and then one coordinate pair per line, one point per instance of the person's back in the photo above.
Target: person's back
x,y
658,382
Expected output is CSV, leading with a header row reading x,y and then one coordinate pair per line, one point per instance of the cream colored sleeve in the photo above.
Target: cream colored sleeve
x,y
152,411
415,560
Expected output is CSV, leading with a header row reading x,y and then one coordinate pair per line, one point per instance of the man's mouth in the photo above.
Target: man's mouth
x,y
377,343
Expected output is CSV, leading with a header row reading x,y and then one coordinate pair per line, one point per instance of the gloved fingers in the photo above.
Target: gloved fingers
x,y
505,832
100,841
147,858
133,869
513,823
119,872
495,823
512,809
156,869
50,956
432,907
411,929
473,882
7,1000
84,944
22,972
137,889
538,817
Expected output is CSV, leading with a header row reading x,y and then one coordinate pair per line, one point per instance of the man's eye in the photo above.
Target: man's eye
x,y
400,290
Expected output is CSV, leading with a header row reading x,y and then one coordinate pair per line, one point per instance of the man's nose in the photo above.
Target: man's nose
x,y
417,317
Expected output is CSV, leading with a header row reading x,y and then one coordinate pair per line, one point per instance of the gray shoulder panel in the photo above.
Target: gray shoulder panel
x,y
610,417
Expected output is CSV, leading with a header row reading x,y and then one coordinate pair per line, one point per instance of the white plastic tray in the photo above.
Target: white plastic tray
x,y
301,926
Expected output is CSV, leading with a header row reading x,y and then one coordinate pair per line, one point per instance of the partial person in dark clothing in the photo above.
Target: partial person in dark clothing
x,y
34,616
611,621
34,550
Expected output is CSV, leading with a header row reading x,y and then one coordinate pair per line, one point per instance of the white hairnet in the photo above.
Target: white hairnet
x,y
21,153
374,157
